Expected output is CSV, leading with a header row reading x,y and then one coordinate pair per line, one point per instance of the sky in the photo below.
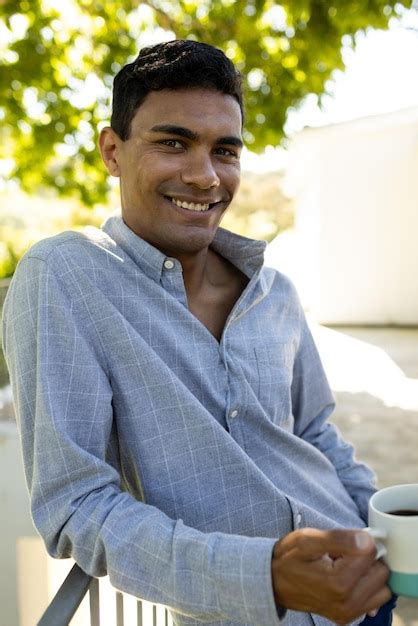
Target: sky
x,y
381,76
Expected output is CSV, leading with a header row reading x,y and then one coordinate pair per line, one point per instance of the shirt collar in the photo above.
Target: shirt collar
x,y
246,254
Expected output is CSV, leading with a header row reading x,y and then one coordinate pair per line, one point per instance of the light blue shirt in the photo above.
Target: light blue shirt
x,y
157,454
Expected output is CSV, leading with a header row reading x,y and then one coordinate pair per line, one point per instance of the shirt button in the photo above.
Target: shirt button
x,y
298,519
168,264
233,413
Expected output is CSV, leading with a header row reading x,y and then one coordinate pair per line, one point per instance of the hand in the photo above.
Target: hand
x,y
331,573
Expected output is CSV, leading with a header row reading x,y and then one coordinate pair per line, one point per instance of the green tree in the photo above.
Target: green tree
x,y
58,59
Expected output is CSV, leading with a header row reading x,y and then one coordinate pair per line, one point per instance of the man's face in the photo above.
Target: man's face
x,y
180,169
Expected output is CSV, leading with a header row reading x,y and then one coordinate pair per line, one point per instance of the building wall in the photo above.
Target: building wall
x,y
356,194
15,520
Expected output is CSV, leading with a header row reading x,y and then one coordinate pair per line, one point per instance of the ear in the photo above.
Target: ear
x,y
108,144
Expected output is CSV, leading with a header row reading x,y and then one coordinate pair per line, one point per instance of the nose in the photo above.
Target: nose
x,y
200,171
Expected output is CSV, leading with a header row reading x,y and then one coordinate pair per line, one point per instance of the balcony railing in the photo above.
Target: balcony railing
x,y
127,610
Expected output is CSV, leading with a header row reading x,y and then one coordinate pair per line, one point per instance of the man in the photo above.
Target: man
x,y
171,401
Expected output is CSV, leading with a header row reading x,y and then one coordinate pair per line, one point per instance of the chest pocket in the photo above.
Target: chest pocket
x,y
275,374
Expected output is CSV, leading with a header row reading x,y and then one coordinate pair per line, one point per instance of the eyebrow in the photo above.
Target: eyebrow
x,y
181,131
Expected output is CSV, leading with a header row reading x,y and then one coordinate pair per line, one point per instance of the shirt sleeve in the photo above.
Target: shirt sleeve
x,y
313,403
63,398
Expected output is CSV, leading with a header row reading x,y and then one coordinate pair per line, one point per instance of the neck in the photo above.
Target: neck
x,y
196,269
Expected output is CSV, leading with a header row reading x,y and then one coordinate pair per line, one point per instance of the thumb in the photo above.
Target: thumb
x,y
315,543
351,543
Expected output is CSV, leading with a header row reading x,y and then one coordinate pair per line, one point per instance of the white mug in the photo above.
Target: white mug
x,y
393,521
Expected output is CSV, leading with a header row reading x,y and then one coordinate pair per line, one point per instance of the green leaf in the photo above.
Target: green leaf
x,y
50,50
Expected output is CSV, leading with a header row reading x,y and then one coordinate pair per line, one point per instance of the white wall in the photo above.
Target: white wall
x,y
15,519
356,191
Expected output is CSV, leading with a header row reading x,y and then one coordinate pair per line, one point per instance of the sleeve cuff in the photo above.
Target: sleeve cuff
x,y
243,573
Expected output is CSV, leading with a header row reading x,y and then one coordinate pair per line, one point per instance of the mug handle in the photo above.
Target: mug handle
x,y
377,533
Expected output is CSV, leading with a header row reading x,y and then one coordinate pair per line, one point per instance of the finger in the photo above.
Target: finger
x,y
378,600
373,574
371,590
368,592
312,543
352,608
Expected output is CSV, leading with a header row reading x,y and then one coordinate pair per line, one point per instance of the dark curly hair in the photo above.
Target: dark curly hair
x,y
175,64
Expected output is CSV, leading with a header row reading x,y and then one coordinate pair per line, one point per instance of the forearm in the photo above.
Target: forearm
x,y
358,479
211,577
313,403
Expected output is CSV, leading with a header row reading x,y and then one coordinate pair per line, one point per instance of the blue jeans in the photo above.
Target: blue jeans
x,y
384,617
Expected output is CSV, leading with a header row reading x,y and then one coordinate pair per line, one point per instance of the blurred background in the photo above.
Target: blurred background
x,y
329,180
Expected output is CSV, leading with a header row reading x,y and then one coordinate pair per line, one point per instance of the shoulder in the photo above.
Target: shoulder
x,y
68,250
69,242
280,285
67,262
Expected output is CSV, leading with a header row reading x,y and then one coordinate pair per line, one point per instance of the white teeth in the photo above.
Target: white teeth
x,y
191,206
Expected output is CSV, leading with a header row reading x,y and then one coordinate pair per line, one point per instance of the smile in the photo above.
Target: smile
x,y
190,206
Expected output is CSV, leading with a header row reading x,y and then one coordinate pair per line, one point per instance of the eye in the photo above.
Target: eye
x,y
227,152
172,143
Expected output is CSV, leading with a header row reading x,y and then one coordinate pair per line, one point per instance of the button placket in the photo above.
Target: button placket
x,y
172,280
